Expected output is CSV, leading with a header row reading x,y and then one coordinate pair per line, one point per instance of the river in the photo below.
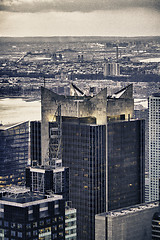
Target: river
x,y
14,110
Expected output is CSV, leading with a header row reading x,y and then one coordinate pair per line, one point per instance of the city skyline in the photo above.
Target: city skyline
x,y
19,18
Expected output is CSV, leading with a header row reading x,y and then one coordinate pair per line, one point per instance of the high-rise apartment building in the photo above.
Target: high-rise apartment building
x,y
104,149
30,216
154,146
14,153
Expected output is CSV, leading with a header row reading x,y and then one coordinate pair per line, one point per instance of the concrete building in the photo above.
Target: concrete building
x,y
28,216
119,105
130,223
154,146
111,69
14,153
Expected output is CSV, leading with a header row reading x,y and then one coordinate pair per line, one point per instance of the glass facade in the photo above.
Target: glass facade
x,y
35,140
37,221
14,147
125,163
84,153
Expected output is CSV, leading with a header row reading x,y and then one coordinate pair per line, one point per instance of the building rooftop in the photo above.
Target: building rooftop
x,y
130,210
22,197
8,126
156,94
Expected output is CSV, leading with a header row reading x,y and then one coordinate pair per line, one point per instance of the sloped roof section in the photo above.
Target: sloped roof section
x,y
126,92
75,91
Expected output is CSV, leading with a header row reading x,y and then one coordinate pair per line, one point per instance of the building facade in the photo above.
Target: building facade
x,y
35,143
134,222
28,216
84,154
14,153
125,165
70,224
154,146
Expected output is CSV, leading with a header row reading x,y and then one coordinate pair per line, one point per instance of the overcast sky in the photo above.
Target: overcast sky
x,y
79,17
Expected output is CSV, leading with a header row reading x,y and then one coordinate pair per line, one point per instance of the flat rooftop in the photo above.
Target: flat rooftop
x,y
130,210
22,197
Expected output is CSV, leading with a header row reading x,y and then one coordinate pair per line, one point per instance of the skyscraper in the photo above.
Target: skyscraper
x,y
103,148
84,153
14,153
154,146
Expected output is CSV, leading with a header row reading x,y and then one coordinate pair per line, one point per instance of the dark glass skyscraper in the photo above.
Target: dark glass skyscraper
x,y
84,153
103,148
14,149
125,163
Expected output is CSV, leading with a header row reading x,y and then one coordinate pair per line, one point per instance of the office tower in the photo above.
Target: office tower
x,y
125,165
28,216
14,148
35,143
154,146
129,223
70,224
47,179
84,154
91,127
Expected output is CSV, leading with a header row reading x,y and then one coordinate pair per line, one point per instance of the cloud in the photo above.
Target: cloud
x,y
74,5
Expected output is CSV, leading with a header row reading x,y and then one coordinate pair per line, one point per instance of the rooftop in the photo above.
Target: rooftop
x,y
22,197
8,126
133,209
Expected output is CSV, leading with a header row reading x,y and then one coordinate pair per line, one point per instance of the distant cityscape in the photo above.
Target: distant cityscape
x,y
89,167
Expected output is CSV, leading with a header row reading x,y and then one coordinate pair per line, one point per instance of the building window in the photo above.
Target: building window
x,y
20,234
41,223
28,234
19,226
6,224
13,225
13,233
34,224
